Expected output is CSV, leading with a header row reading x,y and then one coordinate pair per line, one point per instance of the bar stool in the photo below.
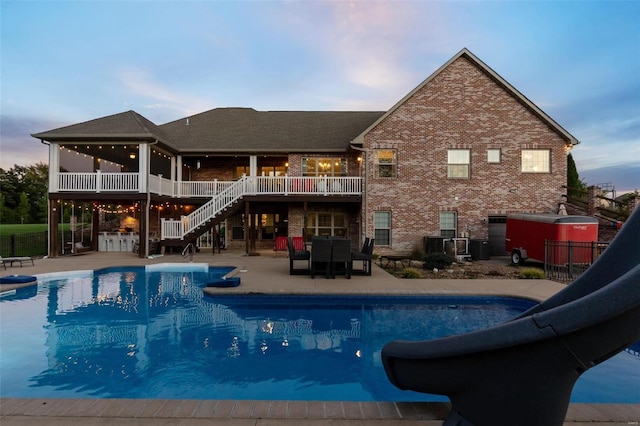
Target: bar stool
x,y
107,240
123,242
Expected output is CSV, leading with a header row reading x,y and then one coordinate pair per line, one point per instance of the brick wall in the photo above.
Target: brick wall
x,y
461,107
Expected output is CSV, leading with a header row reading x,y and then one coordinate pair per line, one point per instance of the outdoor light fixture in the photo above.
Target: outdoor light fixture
x,y
132,155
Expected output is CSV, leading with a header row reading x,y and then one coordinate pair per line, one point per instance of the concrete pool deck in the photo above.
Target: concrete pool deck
x,y
269,275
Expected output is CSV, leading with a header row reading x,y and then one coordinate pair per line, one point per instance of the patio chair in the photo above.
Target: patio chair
x,y
341,257
523,371
297,255
365,255
12,259
280,245
298,243
321,256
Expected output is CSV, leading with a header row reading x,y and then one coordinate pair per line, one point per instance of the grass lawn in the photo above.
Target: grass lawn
x,y
27,228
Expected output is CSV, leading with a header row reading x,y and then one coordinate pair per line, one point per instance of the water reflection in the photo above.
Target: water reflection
x,y
135,334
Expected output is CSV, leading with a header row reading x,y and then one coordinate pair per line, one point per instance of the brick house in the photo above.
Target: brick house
x,y
450,159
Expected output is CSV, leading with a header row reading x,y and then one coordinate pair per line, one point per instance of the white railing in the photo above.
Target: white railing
x,y
98,182
297,185
161,186
279,185
177,229
200,188
275,185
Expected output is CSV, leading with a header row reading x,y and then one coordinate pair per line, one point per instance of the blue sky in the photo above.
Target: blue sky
x,y
64,62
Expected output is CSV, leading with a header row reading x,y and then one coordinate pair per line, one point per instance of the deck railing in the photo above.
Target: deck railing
x,y
98,182
279,185
275,185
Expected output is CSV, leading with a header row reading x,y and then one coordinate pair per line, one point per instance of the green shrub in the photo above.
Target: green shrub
x,y
410,273
531,274
437,260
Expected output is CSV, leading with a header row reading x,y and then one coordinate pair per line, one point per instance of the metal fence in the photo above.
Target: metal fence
x,y
564,261
32,244
36,244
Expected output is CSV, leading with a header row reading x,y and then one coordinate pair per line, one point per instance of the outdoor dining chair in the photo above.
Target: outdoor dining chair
x,y
321,256
341,257
365,255
297,255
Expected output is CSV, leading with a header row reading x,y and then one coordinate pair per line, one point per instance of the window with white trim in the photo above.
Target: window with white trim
x,y
448,222
385,163
493,155
535,161
382,228
458,163
319,166
326,224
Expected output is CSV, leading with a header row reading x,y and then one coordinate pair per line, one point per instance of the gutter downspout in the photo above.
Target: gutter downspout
x,y
363,216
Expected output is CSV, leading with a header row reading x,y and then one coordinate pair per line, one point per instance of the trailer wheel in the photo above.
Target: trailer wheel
x,y
516,258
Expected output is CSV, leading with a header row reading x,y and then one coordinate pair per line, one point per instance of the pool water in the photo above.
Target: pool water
x,y
139,333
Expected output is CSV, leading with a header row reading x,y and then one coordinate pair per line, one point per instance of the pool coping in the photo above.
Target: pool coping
x,y
109,408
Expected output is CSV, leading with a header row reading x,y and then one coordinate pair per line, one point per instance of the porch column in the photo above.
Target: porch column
x,y
54,166
253,165
143,248
173,177
178,178
143,167
247,226
95,228
54,217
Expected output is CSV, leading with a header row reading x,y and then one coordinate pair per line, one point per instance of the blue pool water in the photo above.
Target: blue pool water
x,y
139,333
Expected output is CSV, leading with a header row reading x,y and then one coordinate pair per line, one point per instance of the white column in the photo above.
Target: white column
x,y
253,166
143,165
178,178
54,166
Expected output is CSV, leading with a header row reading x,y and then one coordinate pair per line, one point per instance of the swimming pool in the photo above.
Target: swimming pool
x,y
152,333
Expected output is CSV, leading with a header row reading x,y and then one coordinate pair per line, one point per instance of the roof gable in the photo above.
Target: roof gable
x,y
127,125
495,77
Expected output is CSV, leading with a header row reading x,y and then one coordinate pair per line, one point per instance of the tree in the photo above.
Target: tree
x,y
33,182
23,208
573,178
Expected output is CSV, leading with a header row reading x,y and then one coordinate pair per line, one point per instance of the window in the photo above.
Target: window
x,y
493,155
317,166
326,224
458,163
382,228
448,222
385,163
536,161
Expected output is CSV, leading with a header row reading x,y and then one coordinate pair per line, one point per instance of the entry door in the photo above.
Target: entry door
x,y
497,235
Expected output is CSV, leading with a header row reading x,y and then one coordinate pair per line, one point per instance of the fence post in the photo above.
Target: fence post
x,y
570,248
12,245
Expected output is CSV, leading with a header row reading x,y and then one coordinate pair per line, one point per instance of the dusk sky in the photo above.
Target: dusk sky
x,y
65,62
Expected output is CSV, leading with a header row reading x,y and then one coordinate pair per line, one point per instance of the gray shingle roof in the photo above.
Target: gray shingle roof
x,y
248,130
127,125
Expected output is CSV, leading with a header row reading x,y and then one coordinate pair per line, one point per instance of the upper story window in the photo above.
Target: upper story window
x,y
536,161
328,166
458,163
493,155
385,163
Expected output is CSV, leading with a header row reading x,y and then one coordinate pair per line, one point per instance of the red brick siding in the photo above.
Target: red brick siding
x,y
461,107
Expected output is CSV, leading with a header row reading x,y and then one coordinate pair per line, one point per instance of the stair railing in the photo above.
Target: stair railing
x,y
202,214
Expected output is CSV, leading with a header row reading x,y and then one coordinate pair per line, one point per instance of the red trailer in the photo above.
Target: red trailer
x,y
527,232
